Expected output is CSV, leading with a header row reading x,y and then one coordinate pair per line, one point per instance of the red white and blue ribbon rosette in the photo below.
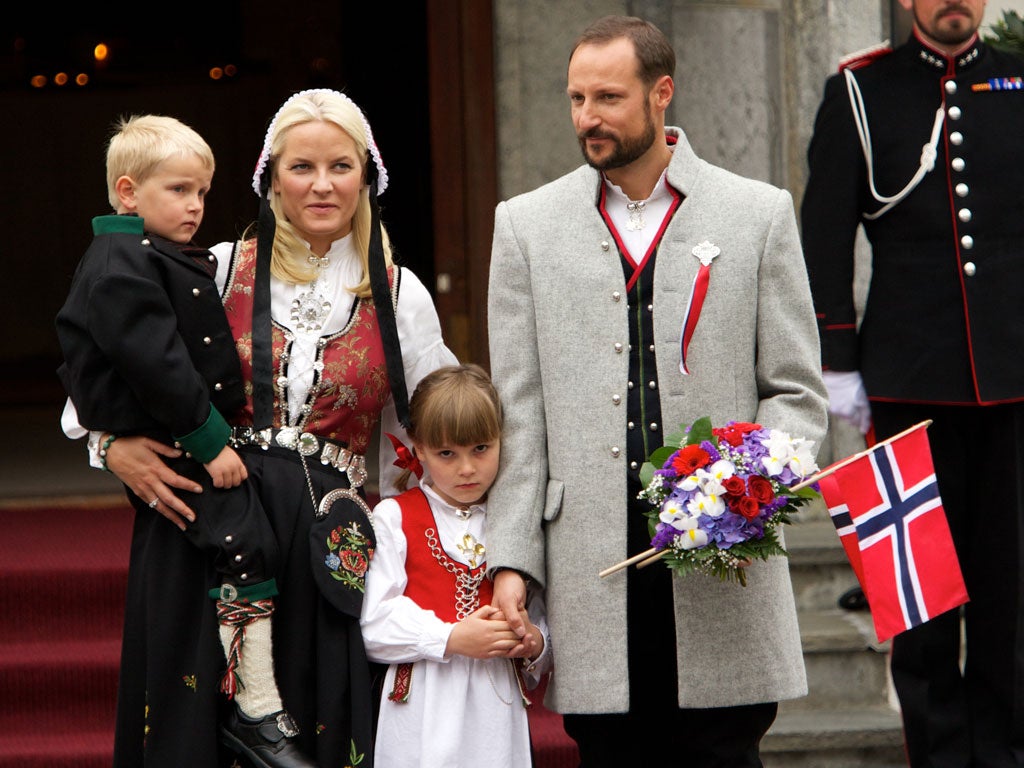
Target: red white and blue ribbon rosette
x,y
719,495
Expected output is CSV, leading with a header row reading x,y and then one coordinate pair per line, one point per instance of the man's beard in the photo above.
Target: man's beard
x,y
949,34
625,151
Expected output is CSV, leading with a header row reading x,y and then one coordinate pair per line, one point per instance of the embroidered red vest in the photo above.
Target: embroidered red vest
x,y
429,584
350,391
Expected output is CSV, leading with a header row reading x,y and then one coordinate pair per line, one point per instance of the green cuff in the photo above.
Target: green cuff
x,y
233,592
208,440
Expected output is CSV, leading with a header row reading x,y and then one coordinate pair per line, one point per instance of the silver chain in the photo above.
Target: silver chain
x,y
467,586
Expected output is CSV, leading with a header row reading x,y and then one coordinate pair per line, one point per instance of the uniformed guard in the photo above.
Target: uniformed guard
x,y
920,146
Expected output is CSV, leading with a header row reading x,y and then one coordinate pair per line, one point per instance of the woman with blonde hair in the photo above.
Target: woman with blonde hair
x,y
331,335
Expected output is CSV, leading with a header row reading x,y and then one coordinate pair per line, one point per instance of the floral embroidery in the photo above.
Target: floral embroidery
x,y
190,681
349,556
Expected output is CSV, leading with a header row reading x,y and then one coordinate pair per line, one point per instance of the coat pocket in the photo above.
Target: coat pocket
x,y
553,501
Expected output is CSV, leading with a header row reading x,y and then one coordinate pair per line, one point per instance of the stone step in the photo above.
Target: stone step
x,y
846,665
818,564
853,737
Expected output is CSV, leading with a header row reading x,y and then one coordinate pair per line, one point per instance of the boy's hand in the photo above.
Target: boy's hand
x,y
227,469
482,636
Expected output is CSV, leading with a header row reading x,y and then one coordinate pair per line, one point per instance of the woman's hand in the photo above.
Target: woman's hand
x,y
138,463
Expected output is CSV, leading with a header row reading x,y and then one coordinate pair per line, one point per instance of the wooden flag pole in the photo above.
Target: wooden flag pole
x,y
652,555
850,459
627,563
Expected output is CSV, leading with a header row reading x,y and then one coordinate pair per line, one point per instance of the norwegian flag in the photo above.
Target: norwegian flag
x,y
887,511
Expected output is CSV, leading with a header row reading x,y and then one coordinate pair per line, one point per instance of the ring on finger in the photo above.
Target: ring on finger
x,y
153,503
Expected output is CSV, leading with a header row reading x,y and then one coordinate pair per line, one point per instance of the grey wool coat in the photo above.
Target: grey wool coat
x,y
557,313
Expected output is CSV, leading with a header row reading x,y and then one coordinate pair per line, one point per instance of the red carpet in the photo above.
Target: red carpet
x,y
63,571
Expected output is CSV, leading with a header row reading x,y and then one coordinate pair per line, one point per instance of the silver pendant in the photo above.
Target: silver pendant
x,y
636,215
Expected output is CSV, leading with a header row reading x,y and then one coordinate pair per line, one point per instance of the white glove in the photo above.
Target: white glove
x,y
847,398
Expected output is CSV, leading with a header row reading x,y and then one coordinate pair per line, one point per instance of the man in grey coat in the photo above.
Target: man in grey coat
x,y
599,343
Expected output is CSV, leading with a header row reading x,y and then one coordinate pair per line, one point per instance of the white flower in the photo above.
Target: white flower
x,y
673,513
784,451
707,504
694,538
802,460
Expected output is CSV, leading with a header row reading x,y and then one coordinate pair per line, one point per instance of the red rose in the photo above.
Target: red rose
x,y
733,433
688,459
760,489
747,507
734,486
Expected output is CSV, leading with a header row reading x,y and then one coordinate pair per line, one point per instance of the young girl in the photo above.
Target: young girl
x,y
453,694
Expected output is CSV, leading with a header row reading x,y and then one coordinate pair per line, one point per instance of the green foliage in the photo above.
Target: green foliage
x,y
1007,33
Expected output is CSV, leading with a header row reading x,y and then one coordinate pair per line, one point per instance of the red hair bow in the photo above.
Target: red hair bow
x,y
406,458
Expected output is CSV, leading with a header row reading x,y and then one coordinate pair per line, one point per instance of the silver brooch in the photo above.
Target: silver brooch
x,y
706,252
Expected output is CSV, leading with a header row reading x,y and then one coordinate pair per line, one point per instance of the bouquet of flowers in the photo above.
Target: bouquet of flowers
x,y
721,494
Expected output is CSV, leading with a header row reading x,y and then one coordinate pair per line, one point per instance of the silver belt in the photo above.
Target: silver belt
x,y
307,445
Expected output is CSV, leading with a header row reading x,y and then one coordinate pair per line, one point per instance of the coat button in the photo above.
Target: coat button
x,y
956,138
616,399
967,242
211,258
616,296
145,241
218,386
604,245
195,291
207,340
615,451
618,347
629,385
964,214
652,385
970,269
962,190
630,425
633,465
958,164
950,86
954,113
654,426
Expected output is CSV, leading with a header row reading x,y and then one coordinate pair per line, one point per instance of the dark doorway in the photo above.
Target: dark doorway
x,y
222,67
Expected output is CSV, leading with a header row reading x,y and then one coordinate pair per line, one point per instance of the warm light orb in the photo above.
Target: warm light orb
x,y
61,78
38,81
100,52
81,78
216,73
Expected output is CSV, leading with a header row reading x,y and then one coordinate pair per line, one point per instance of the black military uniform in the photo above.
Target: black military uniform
x,y
941,338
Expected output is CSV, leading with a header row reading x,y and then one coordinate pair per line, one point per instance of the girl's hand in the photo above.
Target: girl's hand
x,y
482,635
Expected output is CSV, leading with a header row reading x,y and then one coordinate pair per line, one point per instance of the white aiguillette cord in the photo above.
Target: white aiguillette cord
x,y
929,152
